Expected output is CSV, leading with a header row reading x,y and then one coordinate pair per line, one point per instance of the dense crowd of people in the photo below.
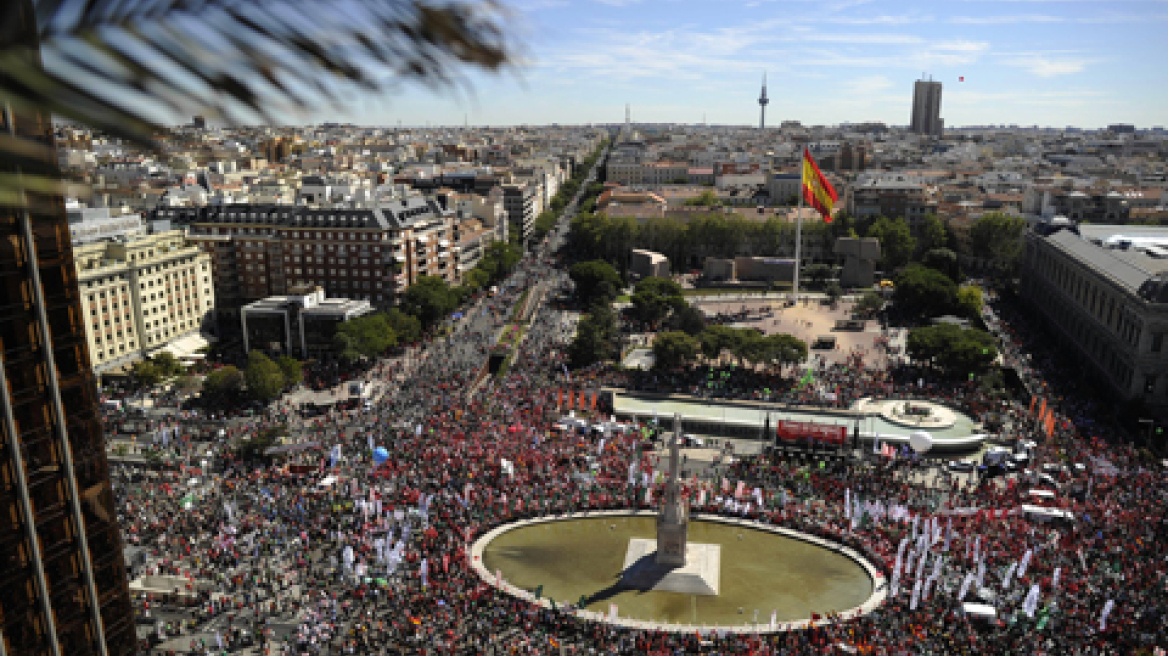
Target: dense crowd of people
x,y
368,554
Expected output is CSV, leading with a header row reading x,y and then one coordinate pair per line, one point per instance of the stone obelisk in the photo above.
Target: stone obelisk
x,y
673,520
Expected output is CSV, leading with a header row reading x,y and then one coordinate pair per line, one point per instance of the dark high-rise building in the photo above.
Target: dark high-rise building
x,y
926,111
63,588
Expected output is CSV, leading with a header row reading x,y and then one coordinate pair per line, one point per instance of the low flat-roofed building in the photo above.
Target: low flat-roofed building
x,y
297,324
647,264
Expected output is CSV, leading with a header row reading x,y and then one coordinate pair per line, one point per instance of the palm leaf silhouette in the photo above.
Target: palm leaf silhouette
x,y
115,63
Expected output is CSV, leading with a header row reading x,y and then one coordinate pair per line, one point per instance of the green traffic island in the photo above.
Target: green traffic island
x,y
512,335
520,306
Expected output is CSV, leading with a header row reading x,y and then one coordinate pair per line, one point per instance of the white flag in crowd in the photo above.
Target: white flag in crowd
x,y
1031,603
1025,562
1106,611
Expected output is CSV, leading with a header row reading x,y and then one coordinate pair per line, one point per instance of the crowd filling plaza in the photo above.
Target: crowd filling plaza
x,y
359,542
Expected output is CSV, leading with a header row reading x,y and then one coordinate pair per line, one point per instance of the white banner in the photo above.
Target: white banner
x,y
1025,563
1106,611
1031,603
1007,579
965,583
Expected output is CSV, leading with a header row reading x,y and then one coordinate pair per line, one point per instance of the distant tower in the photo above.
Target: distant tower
x,y
926,109
628,121
763,101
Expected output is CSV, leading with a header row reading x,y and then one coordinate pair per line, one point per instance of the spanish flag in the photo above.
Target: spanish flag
x,y
817,191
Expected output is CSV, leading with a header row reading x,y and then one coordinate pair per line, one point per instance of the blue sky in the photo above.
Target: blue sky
x,y
1045,62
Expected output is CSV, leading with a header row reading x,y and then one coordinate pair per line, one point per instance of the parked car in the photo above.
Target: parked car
x,y
962,465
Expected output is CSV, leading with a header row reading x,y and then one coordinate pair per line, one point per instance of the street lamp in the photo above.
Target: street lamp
x,y
1148,439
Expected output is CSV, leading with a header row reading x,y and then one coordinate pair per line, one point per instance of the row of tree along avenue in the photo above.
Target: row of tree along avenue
x,y
995,239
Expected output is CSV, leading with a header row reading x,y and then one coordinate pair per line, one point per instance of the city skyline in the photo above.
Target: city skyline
x,y
1048,63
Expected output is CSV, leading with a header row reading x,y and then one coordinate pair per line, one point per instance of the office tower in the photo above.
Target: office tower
x,y
63,585
926,111
763,101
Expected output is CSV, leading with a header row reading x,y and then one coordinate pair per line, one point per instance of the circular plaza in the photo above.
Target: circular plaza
x,y
764,573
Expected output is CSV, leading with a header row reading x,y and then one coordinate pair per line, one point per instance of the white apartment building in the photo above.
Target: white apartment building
x,y
140,294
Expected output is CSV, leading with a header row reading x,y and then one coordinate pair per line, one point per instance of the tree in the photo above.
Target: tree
x,y
782,349
655,298
705,199
957,350
246,61
370,335
969,300
223,381
429,299
896,241
932,234
590,345
818,273
167,364
545,222
833,291
870,303
407,328
264,379
672,350
498,260
997,238
346,348
595,280
292,370
749,347
146,373
187,383
945,261
688,319
716,339
925,292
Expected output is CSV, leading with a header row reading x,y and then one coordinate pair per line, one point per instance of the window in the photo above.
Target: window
x,y
1157,342
1149,383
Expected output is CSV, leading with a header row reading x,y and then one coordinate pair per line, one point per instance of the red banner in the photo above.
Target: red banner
x,y
793,431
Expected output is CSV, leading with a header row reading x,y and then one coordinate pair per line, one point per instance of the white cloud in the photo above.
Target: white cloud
x,y
1044,67
867,86
1006,20
537,5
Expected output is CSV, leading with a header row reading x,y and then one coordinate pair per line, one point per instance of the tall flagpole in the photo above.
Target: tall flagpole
x,y
799,222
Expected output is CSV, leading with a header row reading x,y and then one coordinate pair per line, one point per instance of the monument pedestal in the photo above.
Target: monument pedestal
x,y
700,575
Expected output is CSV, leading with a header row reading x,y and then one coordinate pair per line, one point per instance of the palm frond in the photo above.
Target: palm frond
x,y
238,60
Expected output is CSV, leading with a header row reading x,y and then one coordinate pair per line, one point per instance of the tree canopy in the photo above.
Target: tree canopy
x,y
430,299
247,64
998,238
146,373
292,370
264,379
957,350
223,381
674,349
595,280
368,336
896,241
655,298
925,292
